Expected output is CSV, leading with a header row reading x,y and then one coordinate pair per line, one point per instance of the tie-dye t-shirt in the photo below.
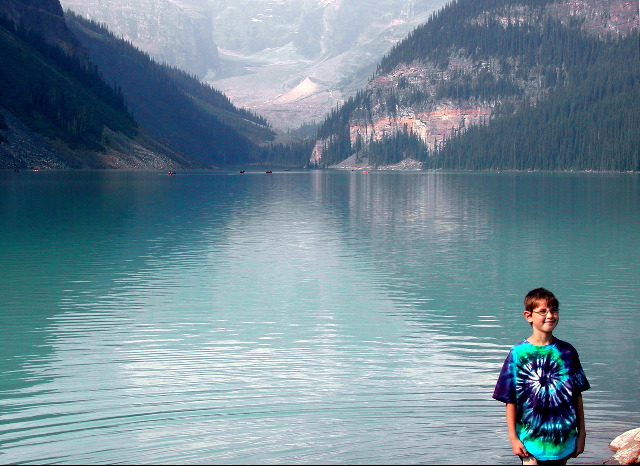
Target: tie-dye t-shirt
x,y
543,382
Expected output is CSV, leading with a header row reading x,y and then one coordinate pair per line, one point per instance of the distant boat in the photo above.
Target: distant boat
x,y
171,173
241,171
269,171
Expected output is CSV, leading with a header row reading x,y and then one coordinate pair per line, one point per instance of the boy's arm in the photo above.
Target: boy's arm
x,y
516,445
582,431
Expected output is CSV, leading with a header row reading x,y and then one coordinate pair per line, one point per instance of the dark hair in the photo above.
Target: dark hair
x,y
537,295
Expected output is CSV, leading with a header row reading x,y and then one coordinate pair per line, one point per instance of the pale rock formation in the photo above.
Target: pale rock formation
x,y
626,447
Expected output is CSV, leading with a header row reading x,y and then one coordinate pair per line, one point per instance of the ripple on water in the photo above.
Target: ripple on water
x,y
315,318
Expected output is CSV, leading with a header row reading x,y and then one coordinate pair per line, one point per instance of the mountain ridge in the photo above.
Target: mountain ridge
x,y
472,63
62,105
56,111
169,31
172,104
267,48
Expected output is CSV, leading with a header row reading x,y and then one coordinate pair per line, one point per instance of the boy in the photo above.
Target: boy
x,y
541,383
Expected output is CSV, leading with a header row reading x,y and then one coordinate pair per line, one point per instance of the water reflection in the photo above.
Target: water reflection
x,y
298,318
503,235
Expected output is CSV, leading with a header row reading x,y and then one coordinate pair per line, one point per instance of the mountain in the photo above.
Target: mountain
x,y
291,61
76,96
41,15
173,105
301,58
518,84
179,33
56,110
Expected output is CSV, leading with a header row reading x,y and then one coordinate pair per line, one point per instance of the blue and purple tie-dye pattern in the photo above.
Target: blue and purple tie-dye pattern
x,y
543,382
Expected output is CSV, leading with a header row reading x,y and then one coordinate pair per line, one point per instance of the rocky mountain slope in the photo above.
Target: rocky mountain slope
x,y
313,54
173,105
291,61
68,97
179,33
472,63
55,109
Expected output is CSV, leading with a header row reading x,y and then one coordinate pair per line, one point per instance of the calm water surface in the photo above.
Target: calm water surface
x,y
302,317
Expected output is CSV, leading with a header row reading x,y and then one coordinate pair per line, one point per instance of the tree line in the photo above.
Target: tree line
x,y
588,119
593,124
57,94
173,105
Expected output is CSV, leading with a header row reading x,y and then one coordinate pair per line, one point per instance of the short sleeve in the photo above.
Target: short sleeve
x,y
505,389
580,382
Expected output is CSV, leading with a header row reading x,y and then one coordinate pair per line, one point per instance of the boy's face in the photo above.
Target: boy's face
x,y
543,318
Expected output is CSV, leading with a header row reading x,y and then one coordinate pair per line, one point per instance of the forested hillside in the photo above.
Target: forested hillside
x,y
59,95
592,123
501,85
172,104
78,97
56,110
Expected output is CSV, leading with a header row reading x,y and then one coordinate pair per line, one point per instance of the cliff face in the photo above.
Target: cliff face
x,y
176,32
601,17
290,61
42,15
428,99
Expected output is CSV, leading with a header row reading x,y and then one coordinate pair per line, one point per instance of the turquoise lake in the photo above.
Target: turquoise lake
x,y
304,317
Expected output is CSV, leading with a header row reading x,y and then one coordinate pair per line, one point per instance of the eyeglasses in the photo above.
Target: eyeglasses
x,y
553,312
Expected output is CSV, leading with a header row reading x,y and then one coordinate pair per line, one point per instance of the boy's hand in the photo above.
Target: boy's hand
x,y
518,448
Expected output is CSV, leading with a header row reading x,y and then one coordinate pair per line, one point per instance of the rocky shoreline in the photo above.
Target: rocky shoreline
x,y
626,448
23,148
352,163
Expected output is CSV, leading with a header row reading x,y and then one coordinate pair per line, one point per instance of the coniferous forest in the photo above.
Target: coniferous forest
x,y
61,96
100,97
561,97
175,106
584,117
592,123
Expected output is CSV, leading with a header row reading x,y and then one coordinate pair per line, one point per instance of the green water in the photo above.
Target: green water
x,y
302,317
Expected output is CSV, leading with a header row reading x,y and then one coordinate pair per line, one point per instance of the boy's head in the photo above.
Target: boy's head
x,y
541,298
536,297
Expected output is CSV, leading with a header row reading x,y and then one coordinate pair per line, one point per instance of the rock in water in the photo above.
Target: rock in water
x,y
626,447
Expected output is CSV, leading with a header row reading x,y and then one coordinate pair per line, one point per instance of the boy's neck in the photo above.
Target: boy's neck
x,y
540,338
